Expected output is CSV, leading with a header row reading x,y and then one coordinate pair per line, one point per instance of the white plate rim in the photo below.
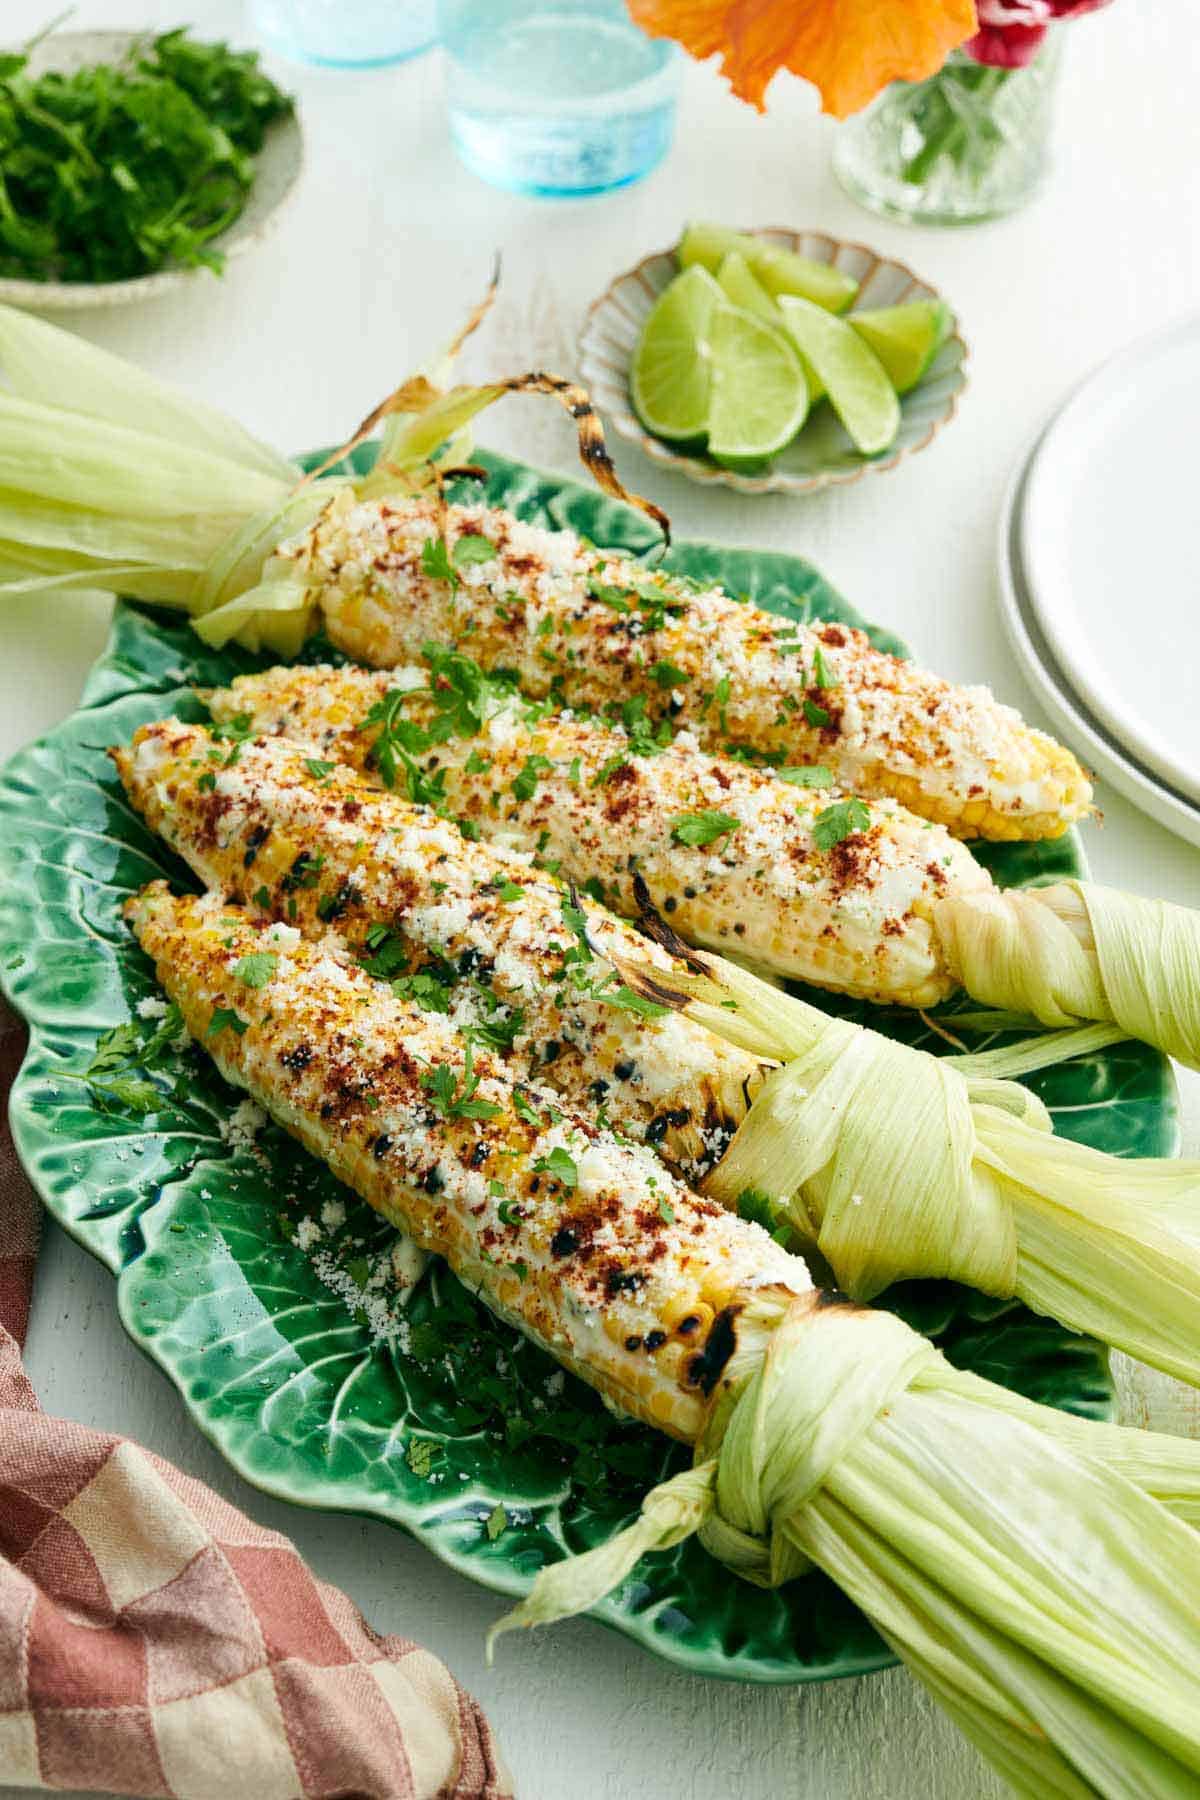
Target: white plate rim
x,y
284,143
1102,753
1070,648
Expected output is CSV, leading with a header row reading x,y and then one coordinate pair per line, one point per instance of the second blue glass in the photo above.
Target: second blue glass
x,y
560,97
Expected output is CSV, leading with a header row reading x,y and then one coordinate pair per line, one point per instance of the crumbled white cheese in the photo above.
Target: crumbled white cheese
x,y
243,1124
282,937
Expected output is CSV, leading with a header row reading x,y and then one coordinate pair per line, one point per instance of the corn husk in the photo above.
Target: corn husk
x,y
112,480
1048,1602
897,1164
1076,951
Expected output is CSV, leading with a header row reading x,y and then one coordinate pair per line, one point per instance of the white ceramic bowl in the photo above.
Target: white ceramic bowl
x,y
822,454
277,169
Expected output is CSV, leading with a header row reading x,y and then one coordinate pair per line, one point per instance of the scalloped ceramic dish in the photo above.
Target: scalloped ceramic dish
x,y
277,170
822,455
274,1368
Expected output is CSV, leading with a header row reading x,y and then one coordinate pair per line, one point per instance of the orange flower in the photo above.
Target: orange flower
x,y
848,49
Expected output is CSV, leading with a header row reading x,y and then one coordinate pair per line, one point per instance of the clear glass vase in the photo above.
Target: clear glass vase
x,y
970,143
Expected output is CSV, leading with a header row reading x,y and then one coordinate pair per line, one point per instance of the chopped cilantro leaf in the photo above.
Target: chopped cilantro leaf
x,y
473,548
822,674
120,167
430,994
435,562
624,997
608,595
666,675
701,828
812,775
320,771
760,1209
389,953
838,822
421,1455
235,730
496,1523
560,1166
816,715
256,969
523,1107
608,769
525,784
225,1018
575,919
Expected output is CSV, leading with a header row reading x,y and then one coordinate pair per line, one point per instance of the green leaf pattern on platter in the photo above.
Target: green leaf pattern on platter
x,y
273,1366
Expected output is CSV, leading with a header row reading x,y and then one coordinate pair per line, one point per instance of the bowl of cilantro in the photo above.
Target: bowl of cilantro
x,y
133,162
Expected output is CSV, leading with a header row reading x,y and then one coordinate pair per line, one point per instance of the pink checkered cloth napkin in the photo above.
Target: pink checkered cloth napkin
x,y
154,1641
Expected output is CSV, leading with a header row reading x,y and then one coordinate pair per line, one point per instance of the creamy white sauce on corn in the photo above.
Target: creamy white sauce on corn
x,y
289,833
590,1245
854,917
595,626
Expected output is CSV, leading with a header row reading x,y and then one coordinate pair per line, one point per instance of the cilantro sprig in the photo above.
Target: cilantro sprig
x,y
453,1097
118,1074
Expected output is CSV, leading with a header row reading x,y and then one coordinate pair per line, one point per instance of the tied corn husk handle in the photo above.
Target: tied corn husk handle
x,y
897,1164
112,480
1046,1599
1076,951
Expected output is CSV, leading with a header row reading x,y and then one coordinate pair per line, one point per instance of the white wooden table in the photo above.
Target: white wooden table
x,y
385,247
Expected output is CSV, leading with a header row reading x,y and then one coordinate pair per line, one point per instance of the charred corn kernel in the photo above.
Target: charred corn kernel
x,y
696,1322
599,629
852,915
484,936
354,1072
678,1308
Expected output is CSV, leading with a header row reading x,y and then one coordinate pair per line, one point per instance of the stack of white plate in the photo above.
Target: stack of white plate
x,y
1100,564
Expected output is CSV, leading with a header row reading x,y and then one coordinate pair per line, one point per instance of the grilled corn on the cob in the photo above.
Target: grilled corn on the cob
x,y
607,805
473,932
589,1245
595,628
824,1433
894,910
884,1157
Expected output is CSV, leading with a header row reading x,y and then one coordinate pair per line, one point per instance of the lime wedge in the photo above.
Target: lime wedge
x,y
671,378
783,272
779,271
856,381
744,290
759,398
741,289
904,338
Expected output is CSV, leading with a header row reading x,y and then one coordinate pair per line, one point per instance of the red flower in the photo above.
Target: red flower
x,y
1011,31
